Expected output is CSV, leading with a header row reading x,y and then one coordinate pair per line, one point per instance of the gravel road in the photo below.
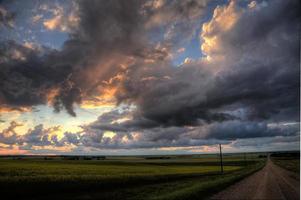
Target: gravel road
x,y
271,182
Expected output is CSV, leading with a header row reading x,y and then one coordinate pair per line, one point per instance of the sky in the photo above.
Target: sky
x,y
142,77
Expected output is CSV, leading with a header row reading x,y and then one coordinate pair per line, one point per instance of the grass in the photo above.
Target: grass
x,y
197,188
291,164
177,177
289,161
32,169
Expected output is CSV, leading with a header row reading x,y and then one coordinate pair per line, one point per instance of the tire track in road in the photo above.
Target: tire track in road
x,y
270,183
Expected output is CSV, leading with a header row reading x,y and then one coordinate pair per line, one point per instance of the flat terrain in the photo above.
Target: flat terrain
x,y
272,182
290,163
165,177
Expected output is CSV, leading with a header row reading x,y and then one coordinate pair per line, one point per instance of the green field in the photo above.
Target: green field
x,y
173,177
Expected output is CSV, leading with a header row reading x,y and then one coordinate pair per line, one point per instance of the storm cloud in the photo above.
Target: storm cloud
x,y
6,18
84,61
258,72
244,85
254,72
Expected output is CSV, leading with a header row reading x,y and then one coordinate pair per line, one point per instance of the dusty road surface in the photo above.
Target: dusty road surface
x,y
272,182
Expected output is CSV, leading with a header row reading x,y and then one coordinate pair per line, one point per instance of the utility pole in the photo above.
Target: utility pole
x,y
245,159
221,158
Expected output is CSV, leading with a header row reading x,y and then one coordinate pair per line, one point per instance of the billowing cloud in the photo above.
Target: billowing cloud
x,y
120,53
97,51
254,74
9,135
99,55
236,129
129,136
6,18
179,19
60,20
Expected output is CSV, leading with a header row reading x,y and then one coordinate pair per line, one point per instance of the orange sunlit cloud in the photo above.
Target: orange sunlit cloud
x,y
106,99
223,19
4,109
14,150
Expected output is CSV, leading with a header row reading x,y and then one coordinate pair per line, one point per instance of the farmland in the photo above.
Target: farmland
x,y
165,177
289,161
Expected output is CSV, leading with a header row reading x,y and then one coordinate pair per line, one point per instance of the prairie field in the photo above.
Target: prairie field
x,y
124,177
288,161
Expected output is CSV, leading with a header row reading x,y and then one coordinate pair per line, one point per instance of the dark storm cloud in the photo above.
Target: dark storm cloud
x,y
269,143
109,121
180,19
251,82
265,73
67,96
24,76
70,138
236,129
107,30
260,74
109,33
175,96
128,137
6,17
144,138
258,84
36,137
144,134
9,135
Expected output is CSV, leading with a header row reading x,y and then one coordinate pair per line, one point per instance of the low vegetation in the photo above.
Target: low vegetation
x,y
170,177
288,160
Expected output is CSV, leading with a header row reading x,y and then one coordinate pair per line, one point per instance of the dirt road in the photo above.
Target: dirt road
x,y
272,182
